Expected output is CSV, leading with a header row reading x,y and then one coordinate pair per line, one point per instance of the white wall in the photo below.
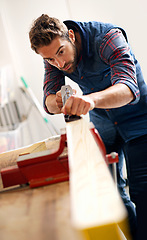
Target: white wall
x,y
17,16
129,14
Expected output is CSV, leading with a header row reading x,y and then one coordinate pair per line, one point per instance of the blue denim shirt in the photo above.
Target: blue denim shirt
x,y
106,59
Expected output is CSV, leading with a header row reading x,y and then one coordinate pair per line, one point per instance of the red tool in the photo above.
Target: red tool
x,y
43,168
38,169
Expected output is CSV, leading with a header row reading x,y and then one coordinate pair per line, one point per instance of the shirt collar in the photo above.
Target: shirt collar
x,y
83,33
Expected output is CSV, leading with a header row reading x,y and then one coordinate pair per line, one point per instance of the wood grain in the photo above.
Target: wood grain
x,y
37,214
96,206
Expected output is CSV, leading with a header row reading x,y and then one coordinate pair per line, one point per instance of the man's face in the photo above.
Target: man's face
x,y
60,53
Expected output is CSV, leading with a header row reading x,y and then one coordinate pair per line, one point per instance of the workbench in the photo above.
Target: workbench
x,y
41,213
89,209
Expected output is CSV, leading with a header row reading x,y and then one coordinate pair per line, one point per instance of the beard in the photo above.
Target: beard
x,y
72,64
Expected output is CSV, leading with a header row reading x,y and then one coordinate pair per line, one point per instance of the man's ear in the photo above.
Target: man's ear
x,y
71,35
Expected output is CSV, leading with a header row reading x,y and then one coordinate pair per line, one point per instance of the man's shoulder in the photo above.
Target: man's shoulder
x,y
93,28
88,24
79,24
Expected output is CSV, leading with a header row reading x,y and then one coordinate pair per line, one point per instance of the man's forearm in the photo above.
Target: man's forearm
x,y
115,96
52,105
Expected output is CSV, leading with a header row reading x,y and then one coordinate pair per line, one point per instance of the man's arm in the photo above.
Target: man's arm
x,y
115,96
53,80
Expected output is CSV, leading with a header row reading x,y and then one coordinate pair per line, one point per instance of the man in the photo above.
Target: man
x,y
98,57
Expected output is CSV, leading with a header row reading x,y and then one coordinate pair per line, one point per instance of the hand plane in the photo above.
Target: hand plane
x,y
66,92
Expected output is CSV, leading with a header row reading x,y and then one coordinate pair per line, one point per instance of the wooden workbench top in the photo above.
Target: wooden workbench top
x,y
37,214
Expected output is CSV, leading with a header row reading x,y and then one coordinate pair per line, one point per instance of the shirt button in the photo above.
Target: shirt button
x,y
82,77
115,123
92,88
107,110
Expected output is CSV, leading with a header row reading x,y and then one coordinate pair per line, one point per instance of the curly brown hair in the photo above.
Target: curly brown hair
x,y
44,29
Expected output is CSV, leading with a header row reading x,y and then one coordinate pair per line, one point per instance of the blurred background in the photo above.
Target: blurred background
x,y
22,119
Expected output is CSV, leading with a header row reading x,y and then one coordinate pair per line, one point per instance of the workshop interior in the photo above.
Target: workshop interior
x,y
23,120
21,70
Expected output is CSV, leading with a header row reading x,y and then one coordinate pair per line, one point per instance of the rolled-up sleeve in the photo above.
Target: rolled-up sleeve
x,y
53,80
116,52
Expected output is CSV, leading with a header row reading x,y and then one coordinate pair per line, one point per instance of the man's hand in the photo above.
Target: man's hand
x,y
59,100
78,105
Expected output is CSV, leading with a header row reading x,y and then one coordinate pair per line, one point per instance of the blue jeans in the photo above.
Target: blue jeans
x,y
136,159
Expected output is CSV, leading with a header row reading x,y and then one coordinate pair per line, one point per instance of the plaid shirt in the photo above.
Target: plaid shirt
x,y
119,66
115,51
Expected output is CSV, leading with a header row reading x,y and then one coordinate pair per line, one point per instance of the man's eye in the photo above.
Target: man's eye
x,y
61,52
49,59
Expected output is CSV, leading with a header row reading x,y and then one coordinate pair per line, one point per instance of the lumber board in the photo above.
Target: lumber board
x,y
96,207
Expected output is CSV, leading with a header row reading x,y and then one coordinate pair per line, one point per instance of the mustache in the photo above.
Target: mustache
x,y
65,66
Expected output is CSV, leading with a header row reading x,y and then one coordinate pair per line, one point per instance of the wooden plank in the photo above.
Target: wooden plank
x,y
96,207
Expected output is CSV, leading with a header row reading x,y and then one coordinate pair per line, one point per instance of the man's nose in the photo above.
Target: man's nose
x,y
60,63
